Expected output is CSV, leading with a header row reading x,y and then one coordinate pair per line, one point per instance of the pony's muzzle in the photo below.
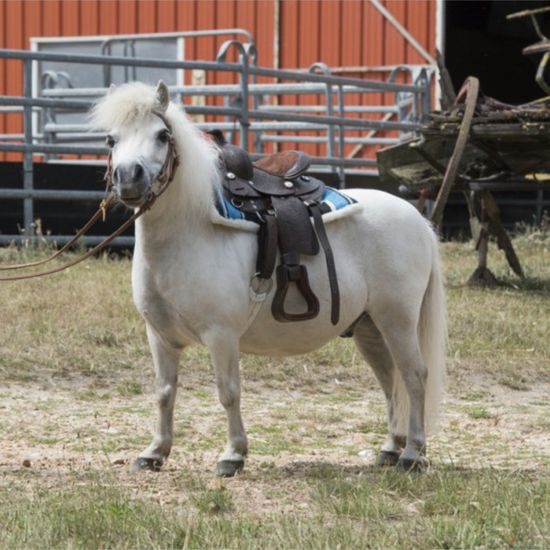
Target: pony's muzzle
x,y
131,182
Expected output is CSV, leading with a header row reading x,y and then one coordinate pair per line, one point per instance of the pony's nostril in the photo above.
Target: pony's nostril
x,y
138,172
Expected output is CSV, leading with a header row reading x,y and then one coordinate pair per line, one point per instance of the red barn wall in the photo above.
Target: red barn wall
x,y
339,33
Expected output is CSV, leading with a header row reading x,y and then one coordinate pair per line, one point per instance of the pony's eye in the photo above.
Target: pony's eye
x,y
110,141
163,136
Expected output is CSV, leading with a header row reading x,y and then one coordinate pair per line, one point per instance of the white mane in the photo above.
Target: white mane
x,y
197,173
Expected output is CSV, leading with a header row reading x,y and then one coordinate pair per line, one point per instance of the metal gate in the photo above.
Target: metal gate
x,y
260,109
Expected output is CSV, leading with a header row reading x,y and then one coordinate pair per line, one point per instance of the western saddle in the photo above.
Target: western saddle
x,y
276,193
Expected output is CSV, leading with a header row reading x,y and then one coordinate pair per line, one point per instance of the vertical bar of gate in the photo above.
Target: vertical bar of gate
x,y
417,98
323,68
425,95
341,137
330,112
28,176
399,99
133,54
106,50
245,51
257,138
244,122
127,69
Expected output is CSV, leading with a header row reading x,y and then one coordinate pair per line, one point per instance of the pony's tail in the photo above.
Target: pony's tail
x,y
432,337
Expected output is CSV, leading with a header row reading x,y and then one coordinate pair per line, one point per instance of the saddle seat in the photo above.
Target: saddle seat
x,y
288,164
276,193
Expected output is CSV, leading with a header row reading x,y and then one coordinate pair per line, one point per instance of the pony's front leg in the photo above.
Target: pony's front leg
x,y
166,360
224,350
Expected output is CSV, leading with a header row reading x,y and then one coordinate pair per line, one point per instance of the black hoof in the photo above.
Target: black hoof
x,y
387,458
228,468
144,463
412,465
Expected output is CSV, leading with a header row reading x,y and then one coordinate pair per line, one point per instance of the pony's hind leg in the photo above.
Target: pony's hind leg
x,y
401,338
370,343
166,360
225,353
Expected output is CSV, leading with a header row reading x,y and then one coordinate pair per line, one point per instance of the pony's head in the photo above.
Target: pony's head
x,y
143,129
139,137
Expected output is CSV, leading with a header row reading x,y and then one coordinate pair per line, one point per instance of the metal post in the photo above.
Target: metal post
x,y
401,98
246,52
341,137
323,68
425,100
253,60
28,183
106,50
244,122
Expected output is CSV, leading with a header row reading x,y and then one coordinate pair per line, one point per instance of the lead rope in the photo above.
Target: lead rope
x,y
101,213
85,256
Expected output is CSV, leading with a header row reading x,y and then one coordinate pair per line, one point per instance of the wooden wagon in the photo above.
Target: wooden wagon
x,y
477,145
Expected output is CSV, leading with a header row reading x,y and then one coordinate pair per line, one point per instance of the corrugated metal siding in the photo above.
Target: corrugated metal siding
x,y
339,33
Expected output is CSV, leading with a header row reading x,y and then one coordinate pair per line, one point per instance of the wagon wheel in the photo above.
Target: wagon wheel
x,y
468,94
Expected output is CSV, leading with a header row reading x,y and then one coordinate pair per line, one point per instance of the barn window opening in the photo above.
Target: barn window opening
x,y
480,41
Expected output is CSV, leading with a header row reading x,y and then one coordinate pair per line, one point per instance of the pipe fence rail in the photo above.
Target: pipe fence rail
x,y
262,115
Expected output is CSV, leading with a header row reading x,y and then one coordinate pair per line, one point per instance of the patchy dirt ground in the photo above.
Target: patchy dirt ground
x,y
77,402
52,433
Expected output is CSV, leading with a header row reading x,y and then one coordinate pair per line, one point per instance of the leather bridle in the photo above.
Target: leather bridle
x,y
157,188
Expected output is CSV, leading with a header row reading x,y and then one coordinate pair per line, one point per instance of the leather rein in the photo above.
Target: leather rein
x,y
158,187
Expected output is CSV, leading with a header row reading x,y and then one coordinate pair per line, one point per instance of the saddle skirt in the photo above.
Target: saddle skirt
x,y
334,205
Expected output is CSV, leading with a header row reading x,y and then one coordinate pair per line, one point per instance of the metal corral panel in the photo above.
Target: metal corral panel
x,y
288,34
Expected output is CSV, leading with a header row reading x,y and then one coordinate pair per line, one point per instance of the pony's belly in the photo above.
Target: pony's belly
x,y
283,345
267,336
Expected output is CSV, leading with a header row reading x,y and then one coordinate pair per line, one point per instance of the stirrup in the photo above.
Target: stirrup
x,y
287,274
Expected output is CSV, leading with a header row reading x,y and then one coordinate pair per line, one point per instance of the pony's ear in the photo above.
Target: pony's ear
x,y
111,89
162,98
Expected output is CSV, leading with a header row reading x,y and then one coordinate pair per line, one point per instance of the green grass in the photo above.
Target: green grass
x,y
78,383
478,412
501,331
90,516
130,388
372,509
213,501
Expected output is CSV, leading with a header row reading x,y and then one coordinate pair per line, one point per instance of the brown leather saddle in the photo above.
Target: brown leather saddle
x,y
276,193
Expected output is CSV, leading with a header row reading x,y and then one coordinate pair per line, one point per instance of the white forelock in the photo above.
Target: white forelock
x,y
126,104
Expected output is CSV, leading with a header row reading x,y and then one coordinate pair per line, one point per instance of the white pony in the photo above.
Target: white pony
x,y
191,282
